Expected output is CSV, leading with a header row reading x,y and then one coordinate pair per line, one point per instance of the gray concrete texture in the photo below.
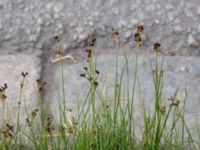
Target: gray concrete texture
x,y
28,26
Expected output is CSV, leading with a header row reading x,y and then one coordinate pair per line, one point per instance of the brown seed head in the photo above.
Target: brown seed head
x,y
96,83
157,47
163,110
56,38
24,74
115,33
97,72
91,41
137,37
85,68
88,50
82,75
140,29
5,86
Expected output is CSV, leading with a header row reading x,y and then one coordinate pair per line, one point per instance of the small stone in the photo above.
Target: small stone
x,y
150,8
116,11
1,26
60,26
184,69
128,34
190,5
57,16
58,7
1,5
170,16
39,45
40,21
79,30
7,37
49,5
133,22
32,7
198,10
73,24
90,23
38,30
33,38
140,15
177,28
65,46
189,13
83,36
198,28
177,21
122,23
192,41
74,37
157,21
169,7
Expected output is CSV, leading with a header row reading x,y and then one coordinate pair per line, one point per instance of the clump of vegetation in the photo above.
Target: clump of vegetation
x,y
100,125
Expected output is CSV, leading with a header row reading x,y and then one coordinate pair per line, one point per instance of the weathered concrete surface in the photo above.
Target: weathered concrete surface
x,y
182,72
11,67
28,26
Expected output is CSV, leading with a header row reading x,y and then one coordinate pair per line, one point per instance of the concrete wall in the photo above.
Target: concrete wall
x,y
28,26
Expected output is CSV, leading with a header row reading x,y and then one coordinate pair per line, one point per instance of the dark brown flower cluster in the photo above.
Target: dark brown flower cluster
x,y
34,113
87,75
28,121
137,35
163,110
49,126
157,46
40,85
56,38
58,48
115,33
8,131
174,102
90,78
91,41
3,92
33,116
24,74
140,29
89,52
